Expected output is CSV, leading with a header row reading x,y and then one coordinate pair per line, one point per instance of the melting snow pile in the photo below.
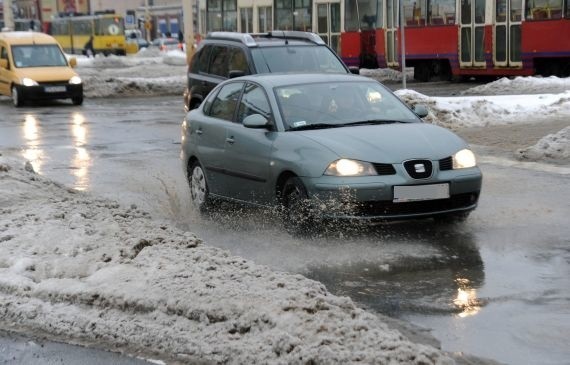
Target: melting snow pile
x,y
522,85
149,72
479,111
88,270
553,146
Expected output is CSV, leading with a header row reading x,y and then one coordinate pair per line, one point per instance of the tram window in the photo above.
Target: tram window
x,y
83,27
351,21
501,11
415,12
544,9
516,10
60,28
441,12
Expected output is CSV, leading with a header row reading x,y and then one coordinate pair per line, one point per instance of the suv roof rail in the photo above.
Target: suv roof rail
x,y
249,38
245,38
294,34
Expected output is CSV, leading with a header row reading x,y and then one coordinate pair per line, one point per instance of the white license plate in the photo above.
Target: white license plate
x,y
420,192
54,89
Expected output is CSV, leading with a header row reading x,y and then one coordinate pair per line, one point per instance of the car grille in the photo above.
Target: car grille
x,y
446,164
388,208
384,169
419,169
53,83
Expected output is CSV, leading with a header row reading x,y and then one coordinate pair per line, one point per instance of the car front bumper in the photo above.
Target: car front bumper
x,y
372,197
51,92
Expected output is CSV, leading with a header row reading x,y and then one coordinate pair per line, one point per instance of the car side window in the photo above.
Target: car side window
x,y
225,103
253,101
237,60
218,61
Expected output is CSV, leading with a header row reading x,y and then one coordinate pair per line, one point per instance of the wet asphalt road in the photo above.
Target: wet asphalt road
x,y
497,286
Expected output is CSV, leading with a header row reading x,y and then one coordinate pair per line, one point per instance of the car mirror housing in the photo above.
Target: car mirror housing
x,y
354,70
255,121
3,63
73,62
420,110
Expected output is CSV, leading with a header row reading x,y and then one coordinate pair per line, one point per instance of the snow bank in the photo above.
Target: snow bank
x,y
479,111
89,270
553,146
149,72
387,74
522,85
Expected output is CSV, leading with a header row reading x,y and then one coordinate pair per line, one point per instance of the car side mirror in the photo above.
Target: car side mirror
x,y
3,63
420,110
73,62
255,121
235,73
354,70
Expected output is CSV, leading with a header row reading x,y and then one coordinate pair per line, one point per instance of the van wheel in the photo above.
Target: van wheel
x,y
16,98
78,100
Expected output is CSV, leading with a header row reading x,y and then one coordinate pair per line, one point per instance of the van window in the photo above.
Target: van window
x,y
38,56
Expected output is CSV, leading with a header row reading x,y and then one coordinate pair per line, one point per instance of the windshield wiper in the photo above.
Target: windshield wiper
x,y
373,122
315,126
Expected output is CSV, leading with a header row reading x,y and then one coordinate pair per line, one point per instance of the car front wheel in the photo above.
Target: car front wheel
x,y
199,187
297,216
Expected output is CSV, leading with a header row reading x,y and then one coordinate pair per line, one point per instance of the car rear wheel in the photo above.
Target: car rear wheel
x,y
199,191
297,216
17,99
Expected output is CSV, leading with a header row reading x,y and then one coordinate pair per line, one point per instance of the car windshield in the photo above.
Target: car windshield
x,y
340,104
293,58
38,56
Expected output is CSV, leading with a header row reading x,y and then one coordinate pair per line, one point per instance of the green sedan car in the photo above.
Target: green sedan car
x,y
325,146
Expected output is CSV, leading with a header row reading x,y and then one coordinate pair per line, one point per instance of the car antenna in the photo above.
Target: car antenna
x,y
285,36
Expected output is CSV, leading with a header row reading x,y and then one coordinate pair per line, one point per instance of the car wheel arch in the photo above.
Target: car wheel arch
x,y
280,183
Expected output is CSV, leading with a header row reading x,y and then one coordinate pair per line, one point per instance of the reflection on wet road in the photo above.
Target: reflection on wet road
x,y
497,286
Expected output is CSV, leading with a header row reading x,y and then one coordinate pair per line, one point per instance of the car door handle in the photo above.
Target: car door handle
x,y
230,140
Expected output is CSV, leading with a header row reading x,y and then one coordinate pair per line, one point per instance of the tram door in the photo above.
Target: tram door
x,y
472,30
507,40
328,23
392,14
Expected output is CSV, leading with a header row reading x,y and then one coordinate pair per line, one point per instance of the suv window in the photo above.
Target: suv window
x,y
201,61
238,61
296,58
218,63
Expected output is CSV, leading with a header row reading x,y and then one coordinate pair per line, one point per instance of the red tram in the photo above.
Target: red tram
x,y
457,38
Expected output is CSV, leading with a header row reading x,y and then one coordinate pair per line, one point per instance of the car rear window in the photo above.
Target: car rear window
x,y
296,59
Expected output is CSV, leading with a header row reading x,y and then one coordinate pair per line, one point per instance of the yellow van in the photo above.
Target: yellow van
x,y
34,67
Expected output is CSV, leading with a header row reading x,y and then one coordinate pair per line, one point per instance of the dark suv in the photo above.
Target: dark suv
x,y
223,55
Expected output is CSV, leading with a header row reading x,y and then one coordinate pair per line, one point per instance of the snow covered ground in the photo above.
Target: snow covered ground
x,y
87,270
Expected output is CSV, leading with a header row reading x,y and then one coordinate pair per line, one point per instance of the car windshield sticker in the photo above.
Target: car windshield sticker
x,y
113,29
299,123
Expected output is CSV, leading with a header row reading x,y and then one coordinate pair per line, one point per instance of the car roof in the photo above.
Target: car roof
x,y
24,38
271,80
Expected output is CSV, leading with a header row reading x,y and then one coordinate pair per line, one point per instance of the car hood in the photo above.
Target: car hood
x,y
46,74
389,143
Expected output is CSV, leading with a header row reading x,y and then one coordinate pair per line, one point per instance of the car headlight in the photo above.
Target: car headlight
x,y
75,80
463,159
26,81
346,167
